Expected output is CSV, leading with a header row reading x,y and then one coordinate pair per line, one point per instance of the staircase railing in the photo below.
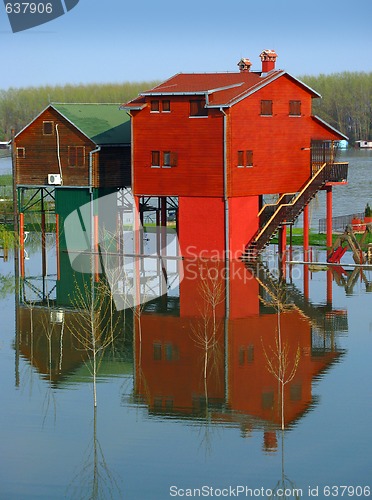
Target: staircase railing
x,y
287,211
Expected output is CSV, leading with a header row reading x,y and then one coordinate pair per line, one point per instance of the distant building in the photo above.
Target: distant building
x,y
363,144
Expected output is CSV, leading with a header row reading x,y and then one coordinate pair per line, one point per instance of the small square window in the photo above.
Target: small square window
x,y
266,107
295,108
48,128
21,153
155,106
166,106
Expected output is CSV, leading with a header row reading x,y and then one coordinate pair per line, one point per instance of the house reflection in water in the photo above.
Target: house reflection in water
x,y
206,351
181,370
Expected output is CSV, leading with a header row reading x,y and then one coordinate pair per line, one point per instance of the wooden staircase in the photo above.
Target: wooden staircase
x,y
285,211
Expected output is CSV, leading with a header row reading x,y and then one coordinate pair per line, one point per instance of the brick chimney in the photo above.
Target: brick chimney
x,y
244,65
268,58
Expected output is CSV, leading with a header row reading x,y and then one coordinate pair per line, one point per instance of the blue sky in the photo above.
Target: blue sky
x,y
123,40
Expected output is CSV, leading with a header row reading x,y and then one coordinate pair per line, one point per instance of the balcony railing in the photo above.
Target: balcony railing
x,y
338,172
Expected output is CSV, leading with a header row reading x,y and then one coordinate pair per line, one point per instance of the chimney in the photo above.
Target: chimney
x,y
268,58
244,65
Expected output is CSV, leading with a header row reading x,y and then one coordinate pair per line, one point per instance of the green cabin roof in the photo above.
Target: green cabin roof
x,y
103,123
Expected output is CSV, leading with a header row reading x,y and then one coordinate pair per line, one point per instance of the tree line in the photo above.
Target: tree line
x,y
346,102
19,106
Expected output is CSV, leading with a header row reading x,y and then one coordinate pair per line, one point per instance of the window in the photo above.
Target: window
x,y
245,158
76,156
295,108
266,108
21,153
157,352
48,128
170,159
197,108
155,106
165,106
155,158
246,354
165,159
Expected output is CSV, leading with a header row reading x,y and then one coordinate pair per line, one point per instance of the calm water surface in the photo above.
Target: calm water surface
x,y
159,422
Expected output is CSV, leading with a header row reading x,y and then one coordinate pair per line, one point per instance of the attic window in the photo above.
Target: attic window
x,y
48,128
21,153
155,106
166,106
266,108
294,108
197,108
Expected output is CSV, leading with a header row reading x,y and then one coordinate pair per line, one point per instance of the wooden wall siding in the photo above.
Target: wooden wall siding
x,y
41,152
111,166
198,143
279,162
114,169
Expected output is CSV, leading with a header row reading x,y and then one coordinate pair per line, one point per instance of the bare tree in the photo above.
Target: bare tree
x,y
92,326
281,363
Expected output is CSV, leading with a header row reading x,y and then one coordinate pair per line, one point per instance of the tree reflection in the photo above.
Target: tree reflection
x,y
280,362
206,333
94,480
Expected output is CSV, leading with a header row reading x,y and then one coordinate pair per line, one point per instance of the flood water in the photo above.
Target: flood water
x,y
190,397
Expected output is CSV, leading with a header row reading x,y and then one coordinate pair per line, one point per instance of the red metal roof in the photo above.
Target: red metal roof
x,y
223,89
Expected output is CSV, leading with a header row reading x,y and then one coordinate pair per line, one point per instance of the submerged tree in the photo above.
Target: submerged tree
x,y
211,291
92,326
280,362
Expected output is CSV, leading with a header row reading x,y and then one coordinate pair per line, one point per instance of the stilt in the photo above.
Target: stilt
x,y
329,287
43,237
22,244
306,232
163,244
137,259
283,249
158,242
329,216
306,281
57,249
96,248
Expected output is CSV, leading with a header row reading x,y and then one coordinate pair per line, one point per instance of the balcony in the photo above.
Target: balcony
x,y
337,174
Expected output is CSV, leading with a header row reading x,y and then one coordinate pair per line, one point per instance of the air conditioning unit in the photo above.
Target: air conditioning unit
x,y
54,179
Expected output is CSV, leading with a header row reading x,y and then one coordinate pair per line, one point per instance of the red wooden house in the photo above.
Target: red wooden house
x,y
219,142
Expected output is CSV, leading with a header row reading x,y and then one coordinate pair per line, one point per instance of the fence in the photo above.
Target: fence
x,y
339,223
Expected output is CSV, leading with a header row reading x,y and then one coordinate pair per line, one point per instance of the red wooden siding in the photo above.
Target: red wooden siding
x,y
280,143
197,141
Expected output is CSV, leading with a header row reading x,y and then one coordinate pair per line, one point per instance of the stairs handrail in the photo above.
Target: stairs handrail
x,y
293,202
